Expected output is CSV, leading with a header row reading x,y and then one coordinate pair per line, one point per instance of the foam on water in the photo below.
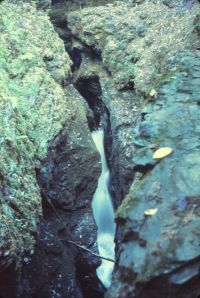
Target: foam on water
x,y
104,214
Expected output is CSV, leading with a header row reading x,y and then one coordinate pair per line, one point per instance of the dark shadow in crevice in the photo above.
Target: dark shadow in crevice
x,y
58,17
8,282
144,169
89,282
128,86
90,89
180,283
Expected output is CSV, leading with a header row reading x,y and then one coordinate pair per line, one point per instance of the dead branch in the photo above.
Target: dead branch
x,y
88,250
70,241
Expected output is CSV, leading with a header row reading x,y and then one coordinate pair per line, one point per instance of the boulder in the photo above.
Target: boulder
x,y
159,251
135,42
151,88
33,111
49,164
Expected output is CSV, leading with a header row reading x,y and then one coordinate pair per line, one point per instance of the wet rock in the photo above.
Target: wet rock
x,y
152,98
160,252
40,4
50,272
197,24
123,105
72,167
154,252
66,270
49,164
118,121
184,4
123,111
134,49
33,111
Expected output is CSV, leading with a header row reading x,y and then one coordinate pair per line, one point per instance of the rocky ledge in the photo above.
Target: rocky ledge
x,y
134,68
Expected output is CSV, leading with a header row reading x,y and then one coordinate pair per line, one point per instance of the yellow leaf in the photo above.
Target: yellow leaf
x,y
151,211
153,93
162,152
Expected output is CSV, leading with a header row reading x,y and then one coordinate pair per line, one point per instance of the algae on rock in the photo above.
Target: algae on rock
x,y
33,109
135,42
152,49
164,248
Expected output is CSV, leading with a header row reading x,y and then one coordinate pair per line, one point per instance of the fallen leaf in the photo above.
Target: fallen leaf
x,y
151,211
162,152
153,93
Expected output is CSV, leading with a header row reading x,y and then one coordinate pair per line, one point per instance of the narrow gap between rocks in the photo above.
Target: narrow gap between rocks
x,y
53,254
98,115
90,89
98,119
102,205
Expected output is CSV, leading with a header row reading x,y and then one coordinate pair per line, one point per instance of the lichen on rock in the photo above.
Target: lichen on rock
x,y
33,110
135,42
163,247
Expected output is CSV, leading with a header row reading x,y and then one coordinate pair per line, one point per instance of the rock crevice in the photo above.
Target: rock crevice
x,y
136,74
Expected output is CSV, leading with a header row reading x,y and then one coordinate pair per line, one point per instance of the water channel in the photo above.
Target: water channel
x,y
104,214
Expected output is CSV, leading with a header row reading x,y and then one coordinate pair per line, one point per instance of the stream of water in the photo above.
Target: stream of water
x,y
104,214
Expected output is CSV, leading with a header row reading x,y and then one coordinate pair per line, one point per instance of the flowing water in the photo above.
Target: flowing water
x,y
104,214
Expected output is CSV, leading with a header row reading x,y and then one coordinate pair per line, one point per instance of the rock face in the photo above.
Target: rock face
x,y
135,42
49,164
137,64
129,57
33,111
68,181
160,252
151,89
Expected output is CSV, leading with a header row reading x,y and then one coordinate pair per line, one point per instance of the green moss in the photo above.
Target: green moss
x,y
33,109
138,41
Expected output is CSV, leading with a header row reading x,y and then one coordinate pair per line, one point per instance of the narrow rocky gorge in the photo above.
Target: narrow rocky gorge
x,y
131,69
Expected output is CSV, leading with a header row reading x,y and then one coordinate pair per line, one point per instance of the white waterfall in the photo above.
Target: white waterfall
x,y
104,214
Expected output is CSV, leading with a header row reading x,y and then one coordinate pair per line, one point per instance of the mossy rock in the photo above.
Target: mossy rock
x,y
136,42
33,109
